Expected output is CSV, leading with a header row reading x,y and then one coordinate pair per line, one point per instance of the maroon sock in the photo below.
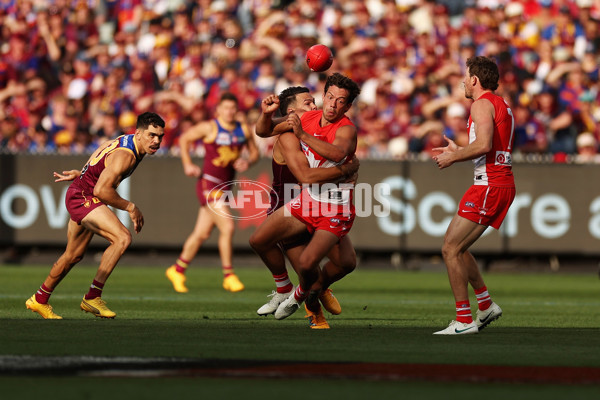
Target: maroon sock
x,y
95,290
181,265
227,270
43,294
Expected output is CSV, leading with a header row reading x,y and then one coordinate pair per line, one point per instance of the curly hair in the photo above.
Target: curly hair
x,y
486,70
343,82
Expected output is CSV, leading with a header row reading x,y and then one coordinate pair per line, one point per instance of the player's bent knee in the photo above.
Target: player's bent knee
x,y
255,242
307,263
348,266
123,240
449,251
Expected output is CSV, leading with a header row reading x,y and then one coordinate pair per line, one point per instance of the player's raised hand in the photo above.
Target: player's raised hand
x,y
270,104
66,175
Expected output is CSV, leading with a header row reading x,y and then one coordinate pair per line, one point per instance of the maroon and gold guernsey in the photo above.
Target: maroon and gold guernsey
x,y
80,199
92,170
281,176
217,168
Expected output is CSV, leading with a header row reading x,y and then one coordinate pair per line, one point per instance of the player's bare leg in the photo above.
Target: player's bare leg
x,y
105,223
221,216
78,238
461,234
487,310
309,273
275,228
202,229
284,286
342,261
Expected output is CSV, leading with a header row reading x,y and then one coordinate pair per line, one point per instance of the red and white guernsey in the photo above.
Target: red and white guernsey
x,y
495,167
327,193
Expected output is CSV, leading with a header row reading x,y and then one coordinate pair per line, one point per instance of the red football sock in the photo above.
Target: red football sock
x,y
95,290
300,294
484,301
43,294
284,285
463,312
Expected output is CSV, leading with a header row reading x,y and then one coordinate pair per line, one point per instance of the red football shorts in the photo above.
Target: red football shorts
x,y
316,215
79,204
486,205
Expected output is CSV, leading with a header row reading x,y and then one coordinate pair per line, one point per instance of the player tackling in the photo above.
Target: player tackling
x,y
486,202
290,166
326,210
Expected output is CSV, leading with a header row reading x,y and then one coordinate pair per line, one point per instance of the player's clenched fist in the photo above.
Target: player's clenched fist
x,y
270,104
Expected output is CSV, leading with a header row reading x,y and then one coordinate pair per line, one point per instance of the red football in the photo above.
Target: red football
x,y
319,58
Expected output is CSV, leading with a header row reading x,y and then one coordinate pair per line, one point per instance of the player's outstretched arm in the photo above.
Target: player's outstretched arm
x,y
482,115
66,175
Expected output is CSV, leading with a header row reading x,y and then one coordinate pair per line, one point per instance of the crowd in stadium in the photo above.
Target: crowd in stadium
x,y
74,73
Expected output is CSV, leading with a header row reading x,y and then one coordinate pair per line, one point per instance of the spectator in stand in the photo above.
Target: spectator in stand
x,y
587,149
530,136
130,53
109,129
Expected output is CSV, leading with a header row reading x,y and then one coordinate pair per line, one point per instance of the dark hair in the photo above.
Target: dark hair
x,y
149,119
228,96
486,70
343,82
288,96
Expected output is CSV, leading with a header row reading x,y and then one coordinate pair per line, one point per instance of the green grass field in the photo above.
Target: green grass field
x,y
388,317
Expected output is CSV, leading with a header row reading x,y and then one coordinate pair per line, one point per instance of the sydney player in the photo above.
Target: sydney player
x,y
486,202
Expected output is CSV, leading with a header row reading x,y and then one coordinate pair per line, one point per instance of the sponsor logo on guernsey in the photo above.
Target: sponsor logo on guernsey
x,y
503,158
223,139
